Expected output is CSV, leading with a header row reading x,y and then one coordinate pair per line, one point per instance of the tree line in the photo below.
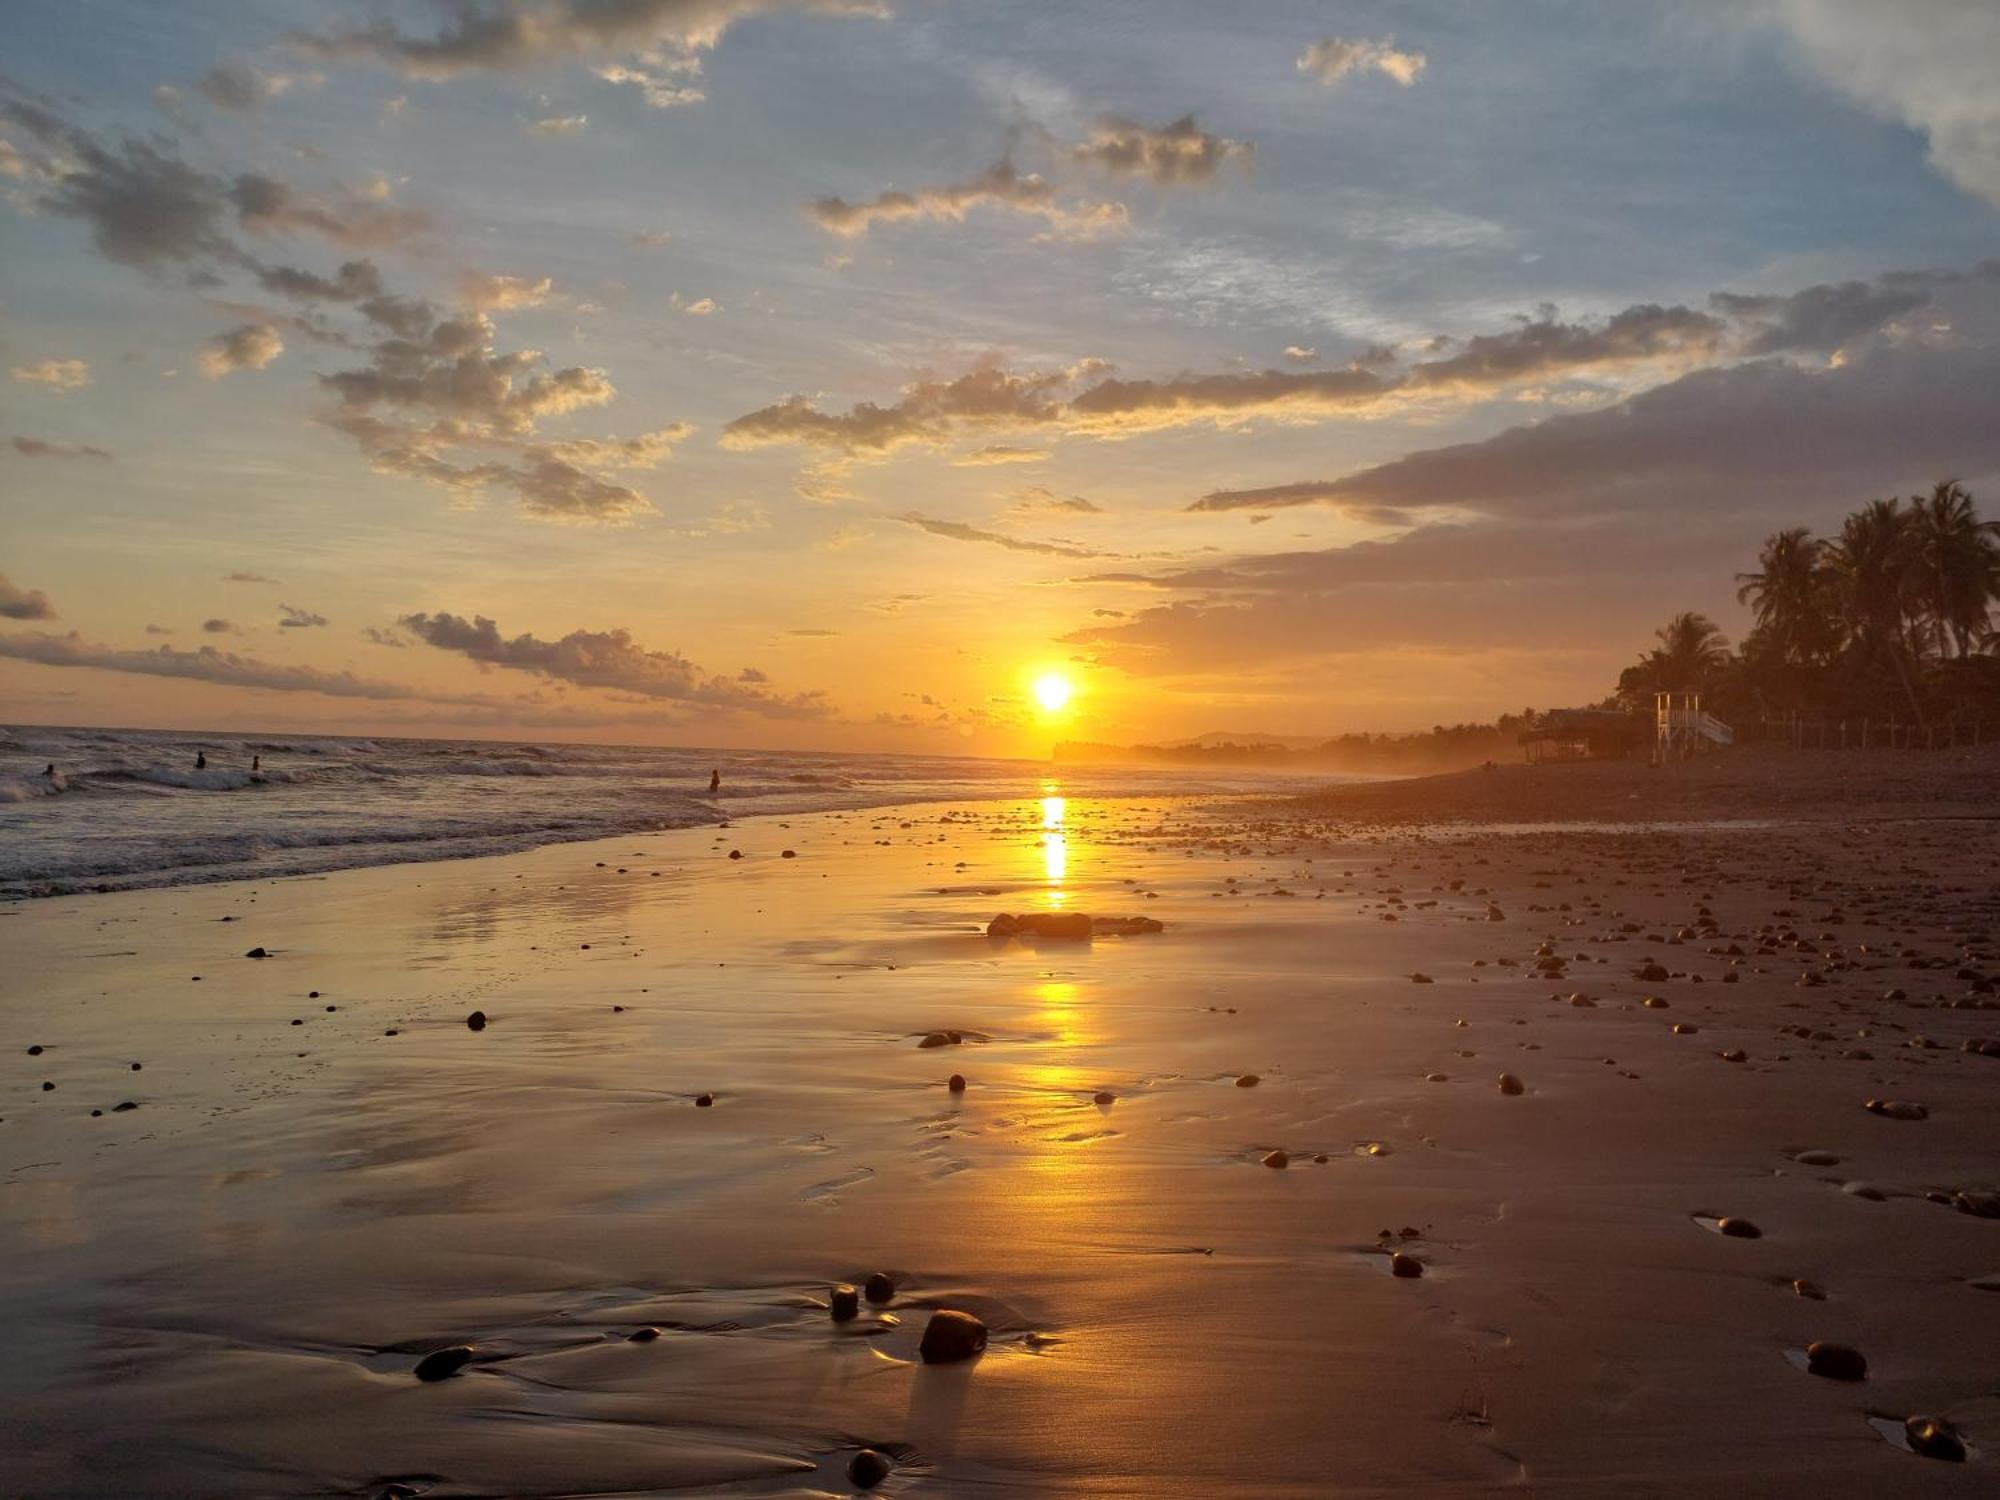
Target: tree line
x,y
1889,618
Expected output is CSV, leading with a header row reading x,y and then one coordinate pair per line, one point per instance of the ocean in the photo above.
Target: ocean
x,y
127,808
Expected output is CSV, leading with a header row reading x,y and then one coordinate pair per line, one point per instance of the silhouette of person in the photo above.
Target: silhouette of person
x,y
51,770
715,781
256,762
201,760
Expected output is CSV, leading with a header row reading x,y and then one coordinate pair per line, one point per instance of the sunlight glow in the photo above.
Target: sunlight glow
x,y
1053,692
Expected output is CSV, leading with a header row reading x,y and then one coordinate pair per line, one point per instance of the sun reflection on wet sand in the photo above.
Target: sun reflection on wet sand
x,y
1055,849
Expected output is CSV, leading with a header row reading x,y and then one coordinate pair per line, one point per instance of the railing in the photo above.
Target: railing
x,y
1866,734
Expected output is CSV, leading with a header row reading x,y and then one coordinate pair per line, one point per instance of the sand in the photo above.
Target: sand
x,y
225,1291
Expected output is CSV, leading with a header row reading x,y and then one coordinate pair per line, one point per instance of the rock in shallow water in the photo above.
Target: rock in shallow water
x,y
951,1336
878,1288
1835,1361
956,1083
1405,1266
868,1469
1277,1159
1509,1084
442,1364
1934,1437
642,1336
843,1302
1738,1229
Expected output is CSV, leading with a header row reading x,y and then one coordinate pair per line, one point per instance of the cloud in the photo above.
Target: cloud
x,y
1302,354
650,239
1000,186
56,374
269,205
999,453
208,664
1168,155
1305,492
1332,58
1926,64
299,619
1040,499
701,307
959,532
29,447
250,347
24,604
559,127
609,660
661,89
235,85
495,35
1540,350
218,626
355,281
483,293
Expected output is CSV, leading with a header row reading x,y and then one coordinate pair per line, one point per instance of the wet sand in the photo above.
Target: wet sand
x,y
225,1290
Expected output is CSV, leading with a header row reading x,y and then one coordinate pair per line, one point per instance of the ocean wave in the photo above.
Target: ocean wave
x,y
32,788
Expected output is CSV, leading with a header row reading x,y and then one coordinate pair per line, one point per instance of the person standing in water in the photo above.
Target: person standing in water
x,y
715,781
256,762
201,760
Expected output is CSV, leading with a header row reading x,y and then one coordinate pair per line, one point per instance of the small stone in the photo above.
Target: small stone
x,y
1652,973
258,953
1247,1080
642,1336
951,1336
1817,1159
935,1039
878,1288
1103,1097
956,1083
1897,1109
1276,1159
843,1302
1421,979
442,1364
1738,1229
704,1101
788,854
36,1050
735,853
1734,1054
1866,1190
1509,1084
476,1021
1654,1002
1684,1028
868,1469
1406,1266
1835,1362
1934,1437
1812,1291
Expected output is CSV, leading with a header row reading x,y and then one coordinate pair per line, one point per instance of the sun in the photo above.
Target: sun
x,y
1053,692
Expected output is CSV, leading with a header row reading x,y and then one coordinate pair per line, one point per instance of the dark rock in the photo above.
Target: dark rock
x,y
1125,926
868,1469
843,1302
1509,1084
642,1336
1247,1080
258,953
879,1288
1652,972
1934,1437
735,853
788,854
1276,1159
476,1021
1406,1266
36,1050
1812,1291
123,1107
956,1083
1738,1229
442,1364
935,1039
1836,1361
951,1336
704,1101
1056,926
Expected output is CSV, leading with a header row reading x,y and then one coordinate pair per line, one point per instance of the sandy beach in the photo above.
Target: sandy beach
x,y
259,1190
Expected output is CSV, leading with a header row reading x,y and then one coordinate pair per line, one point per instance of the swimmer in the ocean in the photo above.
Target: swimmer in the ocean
x,y
715,781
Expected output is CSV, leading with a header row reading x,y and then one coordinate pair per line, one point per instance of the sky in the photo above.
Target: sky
x,y
823,373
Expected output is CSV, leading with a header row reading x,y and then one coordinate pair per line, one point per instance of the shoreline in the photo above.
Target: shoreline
x,y
224,1290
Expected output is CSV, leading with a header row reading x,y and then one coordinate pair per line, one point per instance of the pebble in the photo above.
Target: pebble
x,y
1247,1081
258,953
1812,1291
442,1364
878,1288
1406,1266
1934,1437
935,1039
1866,1190
1103,1097
1836,1361
1509,1084
951,1336
956,1083
1276,1159
704,1101
1738,1229
476,1021
642,1336
1817,1159
1684,1028
1654,1002
843,1302
868,1469
1897,1109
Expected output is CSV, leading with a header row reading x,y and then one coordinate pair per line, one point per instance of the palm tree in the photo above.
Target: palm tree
x,y
1874,566
1957,560
1692,653
1789,596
